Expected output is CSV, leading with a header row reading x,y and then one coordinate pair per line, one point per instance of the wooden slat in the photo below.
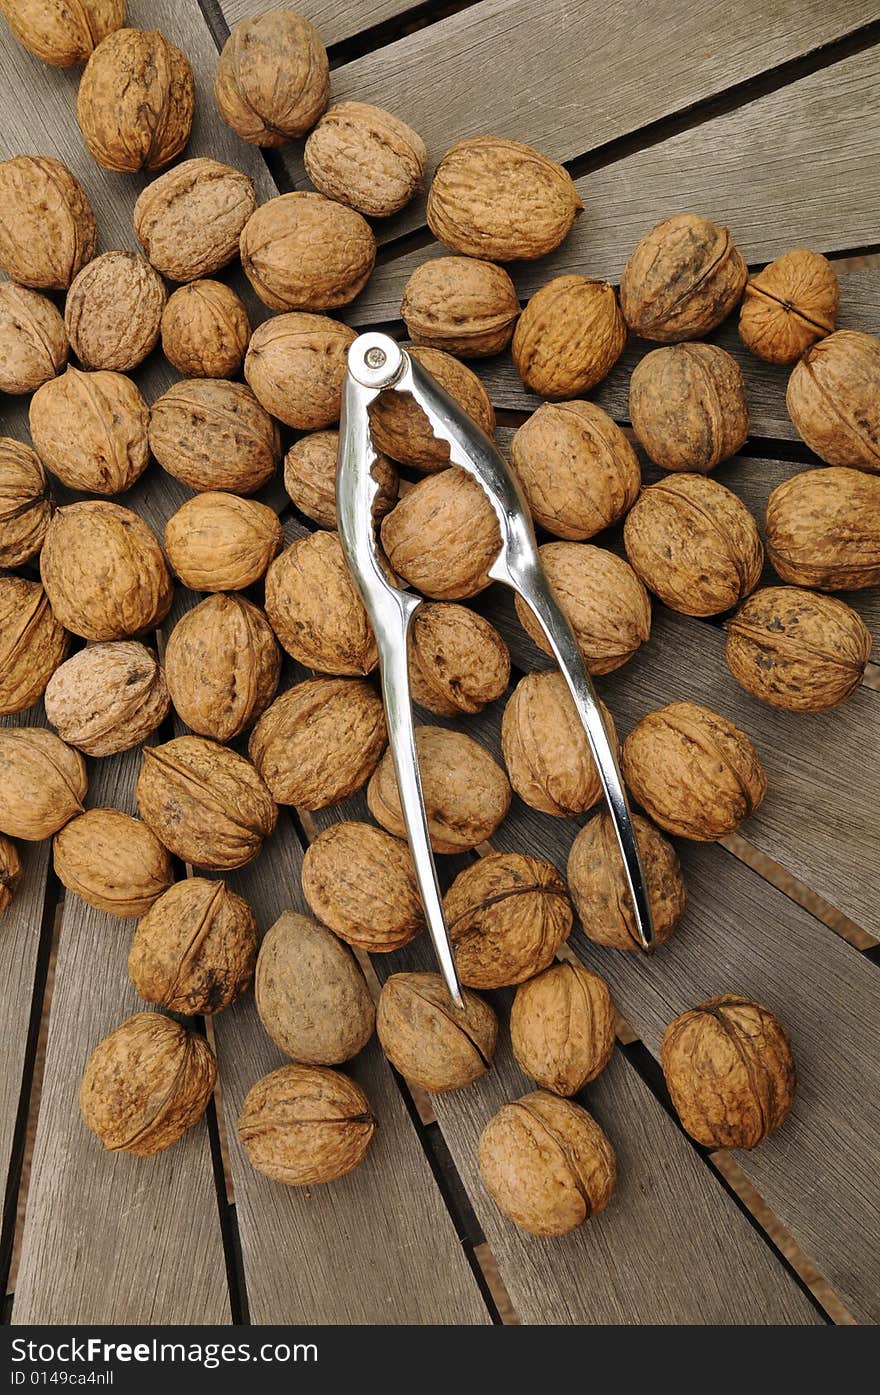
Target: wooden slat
x,y
335,19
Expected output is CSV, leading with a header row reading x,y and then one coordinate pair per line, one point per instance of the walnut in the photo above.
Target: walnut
x,y
207,804
501,200
136,100
688,408
695,773
32,643
114,312
90,430
694,544
60,33
508,914
104,572
443,536
146,1083
683,279
604,601
833,398
108,697
305,1124
577,469
315,608
312,997
823,529
562,1027
213,434
546,1164
112,861
195,950
296,365
460,304
42,783
466,792
319,741
47,228
366,158
205,330
545,747
361,882
10,872
33,341
222,666
273,78
189,220
458,662
598,887
569,337
26,505
430,1041
301,251
797,650
401,429
219,542
789,305
730,1072
310,478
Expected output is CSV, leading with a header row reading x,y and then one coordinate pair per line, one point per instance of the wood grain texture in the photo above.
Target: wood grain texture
x,y
335,19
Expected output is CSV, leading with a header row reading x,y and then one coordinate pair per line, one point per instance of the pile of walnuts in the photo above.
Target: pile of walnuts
x,y
86,584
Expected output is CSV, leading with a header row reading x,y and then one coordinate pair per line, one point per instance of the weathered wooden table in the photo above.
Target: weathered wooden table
x,y
766,118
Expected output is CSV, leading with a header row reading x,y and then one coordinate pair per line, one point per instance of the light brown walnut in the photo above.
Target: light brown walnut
x,y
47,228
569,337
303,1125
361,882
401,429
26,505
205,330
315,608
823,529
683,279
833,398
545,747
597,882
461,305
113,312
10,873
296,365
362,156
43,783
443,536
32,643
789,305
222,666
90,430
310,478
301,251
508,915
33,340
112,861
688,406
136,101
562,1027
458,662
210,433
195,950
273,77
189,220
430,1041
62,33
220,542
108,697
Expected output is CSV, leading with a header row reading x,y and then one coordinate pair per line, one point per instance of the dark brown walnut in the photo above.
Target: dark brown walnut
x,y
33,340
466,792
301,251
688,408
312,997
146,1083
305,1124
578,471
605,603
60,33
219,542
401,429
546,1164
797,650
90,430
683,279
213,434
361,882
508,914
104,572
458,662
10,872
189,220
26,505
310,478
597,883
823,529
108,697
319,741
136,101
730,1072
833,398
113,312
428,1039
694,544
695,773
501,200
195,950
205,330
222,666
362,156
545,748
789,305
443,536
32,643
112,861
206,803
460,304
43,783
273,78
296,365
47,228
562,1027
569,337
315,608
